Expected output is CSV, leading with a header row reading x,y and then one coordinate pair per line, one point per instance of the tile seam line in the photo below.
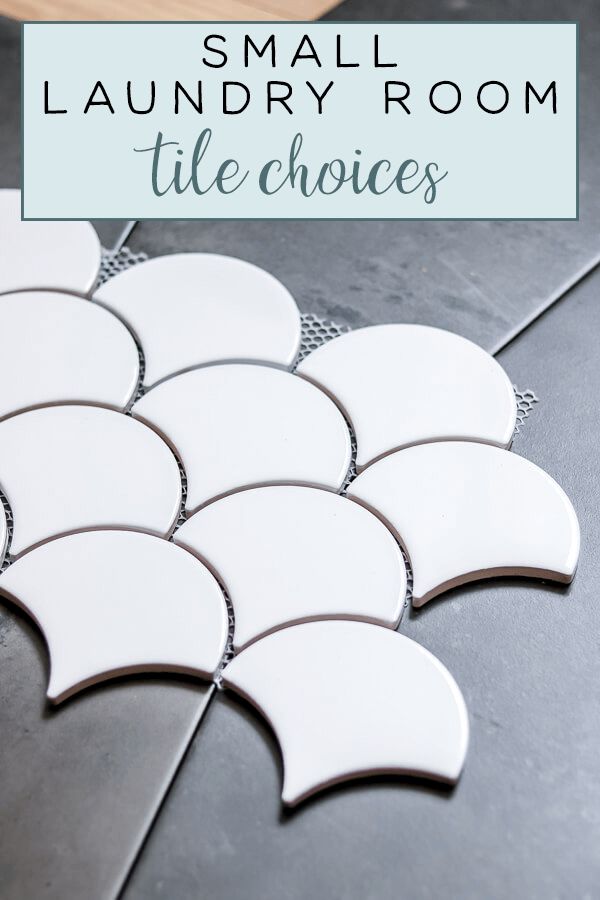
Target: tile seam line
x,y
147,828
125,234
537,314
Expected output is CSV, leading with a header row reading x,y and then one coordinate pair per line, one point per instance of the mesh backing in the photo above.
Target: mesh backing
x,y
525,403
316,332
115,261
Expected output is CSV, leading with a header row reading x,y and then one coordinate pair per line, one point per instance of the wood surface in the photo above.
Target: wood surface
x,y
212,10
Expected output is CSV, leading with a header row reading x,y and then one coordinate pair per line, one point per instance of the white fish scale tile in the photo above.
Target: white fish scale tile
x,y
54,256
290,554
467,510
65,468
406,384
193,309
153,608
237,426
57,348
314,685
285,553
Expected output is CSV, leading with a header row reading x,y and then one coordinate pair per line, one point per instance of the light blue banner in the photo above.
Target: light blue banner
x,y
296,120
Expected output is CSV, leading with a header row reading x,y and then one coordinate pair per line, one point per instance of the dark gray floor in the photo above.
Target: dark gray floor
x,y
10,104
524,821
79,786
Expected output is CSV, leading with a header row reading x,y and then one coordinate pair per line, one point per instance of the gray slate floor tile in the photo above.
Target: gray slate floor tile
x,y
109,231
10,104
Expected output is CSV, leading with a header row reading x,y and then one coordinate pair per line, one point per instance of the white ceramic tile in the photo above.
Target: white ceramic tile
x,y
408,384
57,348
289,554
245,425
116,602
60,256
347,699
66,468
466,511
190,309
3,534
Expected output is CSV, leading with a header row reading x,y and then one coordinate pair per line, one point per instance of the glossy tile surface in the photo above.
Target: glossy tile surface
x,y
292,554
465,511
406,384
313,683
67,468
57,348
59,256
101,598
196,308
237,426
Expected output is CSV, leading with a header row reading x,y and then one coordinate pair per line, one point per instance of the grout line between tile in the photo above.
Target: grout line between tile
x,y
8,514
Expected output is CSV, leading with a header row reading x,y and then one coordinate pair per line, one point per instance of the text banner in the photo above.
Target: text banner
x,y
296,120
